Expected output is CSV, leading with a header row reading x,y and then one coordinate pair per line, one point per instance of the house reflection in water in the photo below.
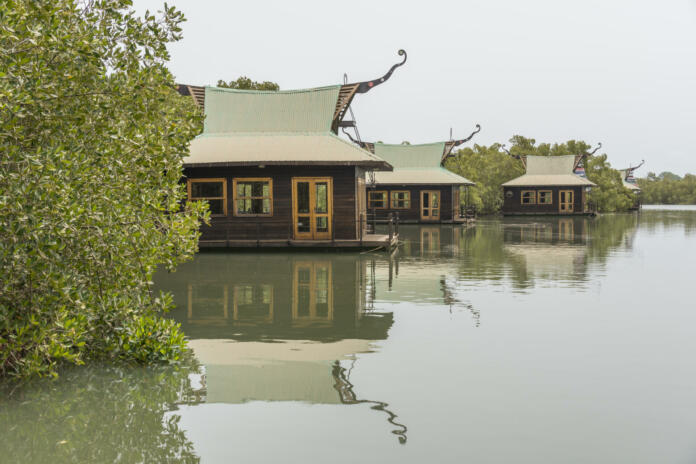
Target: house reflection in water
x,y
253,297
277,327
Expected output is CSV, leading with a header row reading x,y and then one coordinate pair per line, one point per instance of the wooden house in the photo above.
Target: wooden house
x,y
274,171
419,189
549,186
629,181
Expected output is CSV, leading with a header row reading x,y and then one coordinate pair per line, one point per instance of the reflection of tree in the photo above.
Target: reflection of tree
x,y
652,220
100,414
609,232
347,396
514,247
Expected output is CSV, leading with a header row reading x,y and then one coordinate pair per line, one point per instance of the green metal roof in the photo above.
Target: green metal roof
x,y
244,111
416,164
427,155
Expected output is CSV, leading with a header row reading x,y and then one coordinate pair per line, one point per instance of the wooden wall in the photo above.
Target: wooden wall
x,y
513,205
413,214
279,225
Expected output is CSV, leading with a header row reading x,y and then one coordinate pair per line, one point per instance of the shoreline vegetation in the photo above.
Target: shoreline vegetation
x,y
93,135
668,189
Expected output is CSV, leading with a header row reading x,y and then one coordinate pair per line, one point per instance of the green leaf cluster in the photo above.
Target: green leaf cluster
x,y
668,189
244,83
92,136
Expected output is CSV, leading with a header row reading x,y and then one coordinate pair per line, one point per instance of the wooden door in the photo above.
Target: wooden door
x,y
312,209
565,201
430,205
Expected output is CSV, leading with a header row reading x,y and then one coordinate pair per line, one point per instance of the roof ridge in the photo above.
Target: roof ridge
x,y
274,92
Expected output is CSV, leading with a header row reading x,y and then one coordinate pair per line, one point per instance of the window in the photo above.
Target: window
x,y
400,199
544,197
528,197
214,191
377,200
253,196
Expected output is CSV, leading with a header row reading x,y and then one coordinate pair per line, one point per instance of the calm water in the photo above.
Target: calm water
x,y
519,340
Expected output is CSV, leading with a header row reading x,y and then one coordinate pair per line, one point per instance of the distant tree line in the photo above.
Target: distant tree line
x,y
491,166
668,189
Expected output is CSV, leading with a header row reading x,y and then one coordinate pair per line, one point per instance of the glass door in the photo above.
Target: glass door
x,y
312,207
430,205
565,201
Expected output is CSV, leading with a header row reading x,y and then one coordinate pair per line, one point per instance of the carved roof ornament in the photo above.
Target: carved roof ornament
x,y
348,91
587,154
522,158
633,168
455,143
366,86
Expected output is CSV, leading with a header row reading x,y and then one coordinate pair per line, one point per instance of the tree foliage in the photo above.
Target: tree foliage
x,y
92,136
668,189
490,167
244,83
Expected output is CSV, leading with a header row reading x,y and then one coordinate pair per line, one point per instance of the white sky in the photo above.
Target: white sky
x,y
622,72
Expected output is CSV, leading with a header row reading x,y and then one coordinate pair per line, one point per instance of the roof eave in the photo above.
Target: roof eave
x,y
374,165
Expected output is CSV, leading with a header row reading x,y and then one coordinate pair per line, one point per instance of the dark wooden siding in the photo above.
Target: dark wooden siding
x,y
279,225
413,214
513,204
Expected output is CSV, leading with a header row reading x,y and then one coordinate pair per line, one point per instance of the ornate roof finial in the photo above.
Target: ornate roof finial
x,y
599,145
368,85
449,146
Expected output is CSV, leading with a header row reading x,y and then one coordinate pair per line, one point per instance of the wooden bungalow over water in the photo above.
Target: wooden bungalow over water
x,y
550,186
629,181
419,189
274,172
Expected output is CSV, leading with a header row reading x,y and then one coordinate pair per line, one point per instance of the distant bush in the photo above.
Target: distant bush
x,y
92,137
668,189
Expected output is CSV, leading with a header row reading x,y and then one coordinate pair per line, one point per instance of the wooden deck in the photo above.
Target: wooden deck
x,y
369,241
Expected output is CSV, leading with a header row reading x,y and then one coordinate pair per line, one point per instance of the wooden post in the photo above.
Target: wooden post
x,y
362,216
391,228
374,221
397,224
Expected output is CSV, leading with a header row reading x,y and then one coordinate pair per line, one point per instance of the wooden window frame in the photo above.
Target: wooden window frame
x,y
550,196
392,200
210,179
386,199
237,180
533,197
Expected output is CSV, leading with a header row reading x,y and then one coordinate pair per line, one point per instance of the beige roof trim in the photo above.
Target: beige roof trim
x,y
548,180
278,149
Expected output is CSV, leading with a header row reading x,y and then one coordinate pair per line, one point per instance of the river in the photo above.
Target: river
x,y
526,340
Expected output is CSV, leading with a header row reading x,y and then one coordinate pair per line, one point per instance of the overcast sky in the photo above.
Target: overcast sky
x,y
622,72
